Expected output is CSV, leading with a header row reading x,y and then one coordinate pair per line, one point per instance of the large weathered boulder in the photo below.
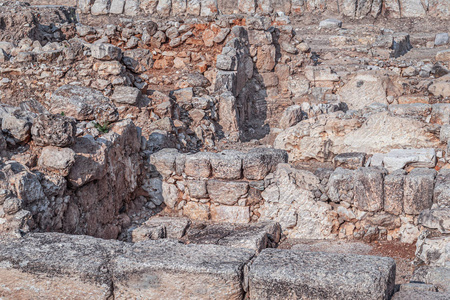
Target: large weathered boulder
x,y
53,130
284,274
83,103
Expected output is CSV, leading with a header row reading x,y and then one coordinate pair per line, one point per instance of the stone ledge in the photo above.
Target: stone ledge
x,y
282,274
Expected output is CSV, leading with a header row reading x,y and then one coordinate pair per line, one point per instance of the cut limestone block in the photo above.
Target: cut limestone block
x,y
284,274
53,266
166,269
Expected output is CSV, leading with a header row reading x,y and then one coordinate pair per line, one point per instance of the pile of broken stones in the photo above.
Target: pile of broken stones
x,y
196,149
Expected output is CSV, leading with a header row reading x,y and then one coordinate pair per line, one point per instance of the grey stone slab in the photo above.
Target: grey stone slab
x,y
53,265
284,274
167,270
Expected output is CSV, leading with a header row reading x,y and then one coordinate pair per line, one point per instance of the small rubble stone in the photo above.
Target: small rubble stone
x,y
352,160
18,128
441,39
12,205
106,52
291,116
126,95
330,23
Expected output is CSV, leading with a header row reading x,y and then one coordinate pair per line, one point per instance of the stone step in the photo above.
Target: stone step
x,y
58,266
284,274
256,236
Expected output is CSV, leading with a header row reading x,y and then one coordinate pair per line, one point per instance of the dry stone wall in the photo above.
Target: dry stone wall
x,y
350,8
355,202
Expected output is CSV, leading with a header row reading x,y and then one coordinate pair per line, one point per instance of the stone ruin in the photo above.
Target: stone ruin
x,y
224,149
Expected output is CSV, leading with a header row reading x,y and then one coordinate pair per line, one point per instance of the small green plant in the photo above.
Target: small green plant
x,y
63,114
103,128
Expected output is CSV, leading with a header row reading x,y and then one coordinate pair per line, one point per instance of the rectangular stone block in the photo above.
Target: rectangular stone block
x,y
368,189
170,270
53,266
418,192
393,192
284,274
231,214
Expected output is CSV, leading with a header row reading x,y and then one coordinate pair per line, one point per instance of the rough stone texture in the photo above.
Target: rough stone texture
x,y
420,295
393,192
283,274
350,160
198,165
418,191
226,192
291,116
161,228
18,128
290,201
216,269
256,236
106,174
126,95
438,276
232,214
165,161
227,165
260,161
53,130
442,188
368,189
419,158
106,52
83,103
57,159
197,188
325,135
436,218
52,265
370,88
433,251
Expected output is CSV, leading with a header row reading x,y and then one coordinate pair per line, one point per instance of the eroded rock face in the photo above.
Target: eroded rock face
x,y
83,104
290,201
324,136
53,130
